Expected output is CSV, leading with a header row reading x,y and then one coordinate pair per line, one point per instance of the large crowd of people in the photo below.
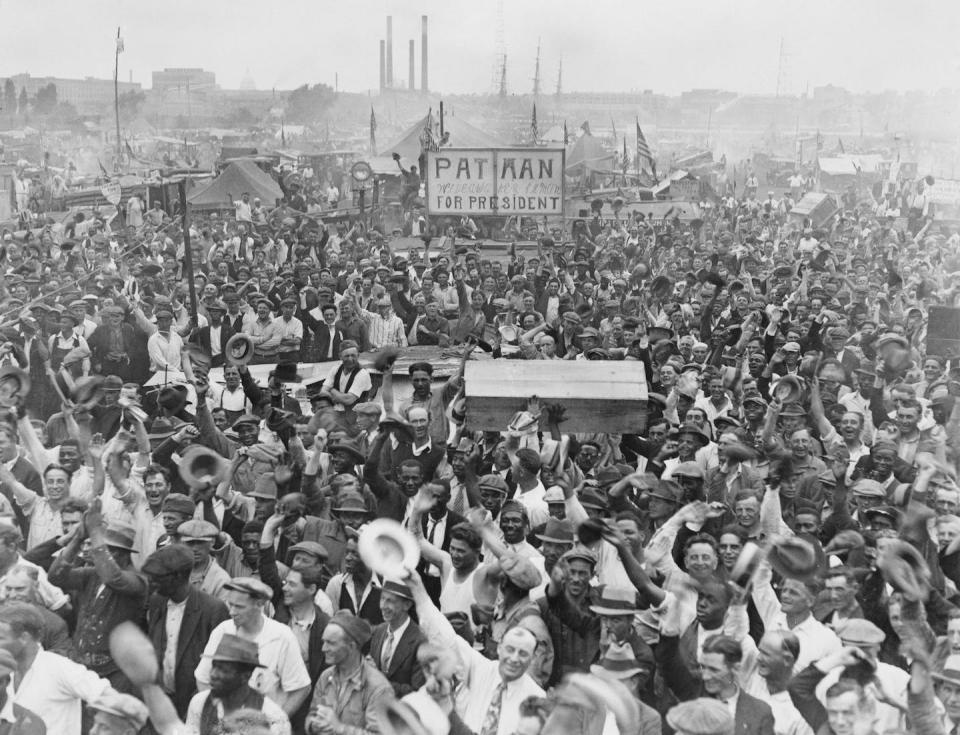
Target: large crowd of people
x,y
776,550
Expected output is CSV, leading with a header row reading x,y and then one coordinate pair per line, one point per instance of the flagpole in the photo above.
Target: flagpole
x,y
116,98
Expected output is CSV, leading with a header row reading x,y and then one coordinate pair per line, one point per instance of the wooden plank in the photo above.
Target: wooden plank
x,y
598,396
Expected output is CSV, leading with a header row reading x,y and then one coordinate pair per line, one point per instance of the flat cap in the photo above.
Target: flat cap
x,y
250,586
368,407
197,530
356,628
701,717
311,547
171,559
178,503
859,632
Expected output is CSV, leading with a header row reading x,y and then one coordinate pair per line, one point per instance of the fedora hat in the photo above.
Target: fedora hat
x,y
286,372
234,649
120,535
415,714
618,663
508,333
278,419
394,422
788,389
200,359
950,671
239,349
344,446
904,569
747,564
388,549
385,358
350,503
700,434
792,557
201,467
14,385
616,601
557,531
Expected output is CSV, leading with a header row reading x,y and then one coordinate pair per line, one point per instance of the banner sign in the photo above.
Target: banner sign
x,y
495,181
945,191
111,192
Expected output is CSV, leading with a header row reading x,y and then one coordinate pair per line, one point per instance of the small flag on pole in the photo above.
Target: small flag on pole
x,y
373,132
566,136
535,133
626,159
613,125
840,142
644,156
119,42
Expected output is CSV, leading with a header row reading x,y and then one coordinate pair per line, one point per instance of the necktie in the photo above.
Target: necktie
x,y
209,514
431,527
387,653
458,503
491,721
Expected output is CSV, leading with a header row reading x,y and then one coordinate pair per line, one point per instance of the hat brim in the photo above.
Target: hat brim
x,y
603,673
374,546
233,660
613,611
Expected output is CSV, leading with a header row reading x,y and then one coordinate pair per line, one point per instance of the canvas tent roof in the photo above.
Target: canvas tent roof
x,y
587,152
238,177
462,135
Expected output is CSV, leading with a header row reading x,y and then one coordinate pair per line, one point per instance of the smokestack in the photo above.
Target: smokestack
x,y
383,64
413,70
423,55
390,51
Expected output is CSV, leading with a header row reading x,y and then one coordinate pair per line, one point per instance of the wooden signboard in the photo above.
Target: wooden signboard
x,y
943,332
599,396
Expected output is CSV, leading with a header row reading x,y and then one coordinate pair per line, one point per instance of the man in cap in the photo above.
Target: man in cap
x,y
291,331
180,619
235,665
337,706
200,536
867,638
45,683
283,676
347,384
355,589
394,643
213,338
619,663
385,329
118,714
175,509
264,333
165,345
434,400
107,594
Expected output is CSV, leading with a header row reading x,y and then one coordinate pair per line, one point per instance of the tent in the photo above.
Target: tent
x,y
588,155
462,135
238,177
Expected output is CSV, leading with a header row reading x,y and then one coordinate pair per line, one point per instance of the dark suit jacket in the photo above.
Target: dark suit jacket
x,y
203,613
753,717
202,337
321,336
405,674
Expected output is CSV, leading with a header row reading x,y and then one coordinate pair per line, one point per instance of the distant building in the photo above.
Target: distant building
x,y
186,77
89,96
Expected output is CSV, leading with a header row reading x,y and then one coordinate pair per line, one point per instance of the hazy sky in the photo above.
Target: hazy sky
x,y
864,45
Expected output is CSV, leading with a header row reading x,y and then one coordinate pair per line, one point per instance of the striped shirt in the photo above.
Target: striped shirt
x,y
384,332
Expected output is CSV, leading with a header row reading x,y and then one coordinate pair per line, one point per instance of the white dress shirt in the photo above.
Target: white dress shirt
x,y
175,611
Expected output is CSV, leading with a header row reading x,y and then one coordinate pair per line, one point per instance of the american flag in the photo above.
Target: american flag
x,y
373,132
119,42
428,140
534,132
644,156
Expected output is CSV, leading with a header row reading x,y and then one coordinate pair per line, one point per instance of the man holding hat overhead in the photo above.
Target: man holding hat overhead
x,y
497,686
283,676
234,664
106,594
350,693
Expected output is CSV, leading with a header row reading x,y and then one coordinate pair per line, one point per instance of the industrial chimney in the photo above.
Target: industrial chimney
x,y
383,64
413,69
423,55
390,51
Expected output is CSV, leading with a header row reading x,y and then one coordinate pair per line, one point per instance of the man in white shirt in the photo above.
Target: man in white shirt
x,y
165,345
291,331
282,676
495,689
348,383
243,209
50,685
